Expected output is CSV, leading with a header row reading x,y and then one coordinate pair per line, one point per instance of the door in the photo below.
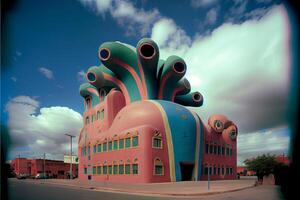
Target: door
x,y
186,169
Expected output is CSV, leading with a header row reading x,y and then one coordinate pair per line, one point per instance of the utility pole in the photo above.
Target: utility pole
x,y
71,137
44,165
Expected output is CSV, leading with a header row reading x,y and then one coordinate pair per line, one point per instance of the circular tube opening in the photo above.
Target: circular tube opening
x,y
197,97
179,67
147,51
104,54
91,77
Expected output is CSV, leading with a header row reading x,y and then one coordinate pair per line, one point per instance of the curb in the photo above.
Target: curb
x,y
145,192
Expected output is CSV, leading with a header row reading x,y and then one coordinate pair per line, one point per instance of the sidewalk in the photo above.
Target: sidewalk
x,y
185,188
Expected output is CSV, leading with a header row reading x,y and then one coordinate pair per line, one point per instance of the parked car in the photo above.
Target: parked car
x,y
41,176
22,176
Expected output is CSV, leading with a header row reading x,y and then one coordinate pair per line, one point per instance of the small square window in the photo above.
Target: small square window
x,y
105,146
135,141
121,144
127,142
157,142
115,144
127,169
99,147
104,169
109,145
158,169
121,169
135,169
110,169
115,169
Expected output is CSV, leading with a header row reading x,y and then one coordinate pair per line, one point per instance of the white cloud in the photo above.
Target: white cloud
x,y
46,72
133,19
40,130
242,70
273,141
202,3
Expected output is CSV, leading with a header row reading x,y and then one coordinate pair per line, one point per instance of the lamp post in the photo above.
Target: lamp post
x,y
71,137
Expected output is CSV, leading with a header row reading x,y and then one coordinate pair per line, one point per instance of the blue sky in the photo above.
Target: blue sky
x,y
49,44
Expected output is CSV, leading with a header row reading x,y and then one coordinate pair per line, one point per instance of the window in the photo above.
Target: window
x,y
127,169
99,170
115,144
95,149
110,169
135,141
206,148
83,151
135,168
157,143
158,167
115,169
206,170
227,170
219,150
109,145
105,146
227,151
88,103
210,170
98,115
223,150
92,118
89,150
105,169
121,144
94,170
219,170
99,147
230,152
102,114
215,170
87,120
211,149
223,171
215,149
121,169
85,170
127,142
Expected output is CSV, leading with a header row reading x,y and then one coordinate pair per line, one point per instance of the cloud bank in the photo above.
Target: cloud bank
x,y
41,130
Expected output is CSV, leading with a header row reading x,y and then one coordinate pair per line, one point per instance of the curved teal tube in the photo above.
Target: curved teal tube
x,y
122,61
194,99
86,90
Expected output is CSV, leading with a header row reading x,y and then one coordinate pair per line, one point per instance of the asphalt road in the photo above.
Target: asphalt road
x,y
21,190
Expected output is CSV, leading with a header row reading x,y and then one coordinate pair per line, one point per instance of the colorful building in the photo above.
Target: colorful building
x,y
53,168
137,128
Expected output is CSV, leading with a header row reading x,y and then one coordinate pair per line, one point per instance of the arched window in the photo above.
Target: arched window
x,y
102,93
158,167
98,115
135,166
157,140
88,102
87,120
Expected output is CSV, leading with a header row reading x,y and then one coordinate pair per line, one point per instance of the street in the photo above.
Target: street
x,y
22,190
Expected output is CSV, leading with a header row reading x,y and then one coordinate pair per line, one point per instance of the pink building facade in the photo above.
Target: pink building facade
x,y
137,128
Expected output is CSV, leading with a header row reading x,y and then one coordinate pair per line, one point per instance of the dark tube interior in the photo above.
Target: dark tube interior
x,y
147,50
91,77
179,67
197,97
104,54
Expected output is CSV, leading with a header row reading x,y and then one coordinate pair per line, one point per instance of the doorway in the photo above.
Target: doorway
x,y
186,169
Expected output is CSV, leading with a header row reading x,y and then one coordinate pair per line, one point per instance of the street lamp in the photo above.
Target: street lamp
x,y
71,137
